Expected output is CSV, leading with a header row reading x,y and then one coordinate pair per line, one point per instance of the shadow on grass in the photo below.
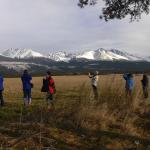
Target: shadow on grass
x,y
109,134
32,115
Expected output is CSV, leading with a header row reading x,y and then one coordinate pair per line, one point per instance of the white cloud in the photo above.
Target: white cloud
x,y
47,25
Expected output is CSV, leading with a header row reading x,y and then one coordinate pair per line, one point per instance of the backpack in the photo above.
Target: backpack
x,y
45,86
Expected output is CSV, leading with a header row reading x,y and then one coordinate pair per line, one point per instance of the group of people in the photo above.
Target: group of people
x,y
129,84
48,87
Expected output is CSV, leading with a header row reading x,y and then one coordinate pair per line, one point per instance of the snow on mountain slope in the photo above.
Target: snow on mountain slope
x,y
20,66
99,54
130,57
87,55
147,58
21,53
60,56
109,55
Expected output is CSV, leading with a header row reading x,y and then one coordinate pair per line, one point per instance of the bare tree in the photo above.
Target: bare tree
x,y
119,9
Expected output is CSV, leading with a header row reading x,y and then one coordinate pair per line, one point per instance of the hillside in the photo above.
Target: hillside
x,y
39,66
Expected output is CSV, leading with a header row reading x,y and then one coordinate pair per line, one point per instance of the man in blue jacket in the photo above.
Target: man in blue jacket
x,y
129,83
27,85
1,91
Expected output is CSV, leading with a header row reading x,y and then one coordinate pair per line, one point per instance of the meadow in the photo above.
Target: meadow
x,y
78,122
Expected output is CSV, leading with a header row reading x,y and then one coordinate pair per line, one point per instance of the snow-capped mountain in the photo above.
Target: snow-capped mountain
x,y
98,55
21,53
109,55
73,63
60,56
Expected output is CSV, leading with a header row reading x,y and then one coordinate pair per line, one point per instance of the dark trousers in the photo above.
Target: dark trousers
x,y
145,91
95,91
49,98
27,97
128,92
27,94
1,98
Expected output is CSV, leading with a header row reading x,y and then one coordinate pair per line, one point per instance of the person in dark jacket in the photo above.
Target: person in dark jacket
x,y
145,85
1,91
50,89
129,83
27,86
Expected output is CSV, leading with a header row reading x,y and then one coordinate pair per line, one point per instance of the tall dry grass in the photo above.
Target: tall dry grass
x,y
112,111
76,108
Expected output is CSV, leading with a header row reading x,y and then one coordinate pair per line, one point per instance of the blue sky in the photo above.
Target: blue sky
x,y
53,25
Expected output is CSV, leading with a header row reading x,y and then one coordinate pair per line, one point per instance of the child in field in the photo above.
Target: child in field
x,y
145,85
1,91
129,83
94,82
27,86
49,88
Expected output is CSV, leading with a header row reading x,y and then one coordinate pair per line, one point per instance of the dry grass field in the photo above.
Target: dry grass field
x,y
78,122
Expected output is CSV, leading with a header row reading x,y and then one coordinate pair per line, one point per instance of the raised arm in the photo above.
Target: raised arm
x,y
90,76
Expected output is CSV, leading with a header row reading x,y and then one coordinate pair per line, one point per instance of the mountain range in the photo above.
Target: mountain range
x,y
98,55
14,61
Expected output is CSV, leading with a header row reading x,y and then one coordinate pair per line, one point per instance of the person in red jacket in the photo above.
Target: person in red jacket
x,y
49,88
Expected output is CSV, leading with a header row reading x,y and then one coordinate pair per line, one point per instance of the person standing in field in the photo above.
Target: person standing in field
x,y
1,91
145,85
129,83
94,82
27,86
49,88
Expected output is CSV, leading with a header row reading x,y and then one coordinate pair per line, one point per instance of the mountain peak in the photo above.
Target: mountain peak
x,y
21,53
60,56
108,55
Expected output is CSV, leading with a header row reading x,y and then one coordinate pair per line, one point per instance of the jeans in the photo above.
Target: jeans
x,y
27,96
